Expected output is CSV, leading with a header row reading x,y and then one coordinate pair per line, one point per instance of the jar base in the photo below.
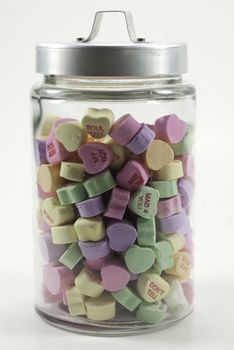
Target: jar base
x,y
111,329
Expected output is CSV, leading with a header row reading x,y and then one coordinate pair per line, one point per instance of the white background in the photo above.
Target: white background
x,y
208,27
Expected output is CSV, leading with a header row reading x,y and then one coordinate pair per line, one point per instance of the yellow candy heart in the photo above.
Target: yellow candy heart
x,y
48,177
98,123
151,287
158,154
70,135
171,171
182,265
88,283
56,214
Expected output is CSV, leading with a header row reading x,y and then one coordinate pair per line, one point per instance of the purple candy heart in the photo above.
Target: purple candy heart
x,y
141,140
121,235
49,250
40,152
186,189
124,129
90,207
95,250
172,223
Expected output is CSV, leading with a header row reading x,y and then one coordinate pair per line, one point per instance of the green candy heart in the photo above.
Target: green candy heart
x,y
151,313
127,298
163,256
139,259
72,256
166,189
146,232
144,202
99,183
70,194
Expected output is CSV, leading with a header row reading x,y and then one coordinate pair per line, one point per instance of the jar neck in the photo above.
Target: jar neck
x,y
103,83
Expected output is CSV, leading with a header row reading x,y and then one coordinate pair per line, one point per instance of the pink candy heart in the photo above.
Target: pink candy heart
x,y
96,157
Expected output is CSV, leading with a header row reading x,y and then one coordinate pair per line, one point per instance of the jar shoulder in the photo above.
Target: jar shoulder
x,y
131,91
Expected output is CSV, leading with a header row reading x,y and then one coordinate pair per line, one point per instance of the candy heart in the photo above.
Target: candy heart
x,y
177,240
72,171
166,189
168,207
158,154
99,184
70,135
127,298
71,194
139,259
124,129
170,128
141,140
151,287
117,204
152,313
56,214
163,256
55,151
90,229
172,171
186,189
114,274
184,146
146,232
40,151
132,176
121,235
101,308
120,155
57,278
48,177
144,202
95,156
75,302
98,123
72,256
175,295
49,250
182,266
89,283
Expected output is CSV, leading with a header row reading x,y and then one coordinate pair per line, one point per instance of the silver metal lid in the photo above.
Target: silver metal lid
x,y
138,58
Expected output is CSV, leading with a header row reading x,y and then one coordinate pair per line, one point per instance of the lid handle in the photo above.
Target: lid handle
x,y
97,24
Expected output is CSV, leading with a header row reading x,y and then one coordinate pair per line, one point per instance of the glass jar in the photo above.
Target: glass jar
x,y
114,181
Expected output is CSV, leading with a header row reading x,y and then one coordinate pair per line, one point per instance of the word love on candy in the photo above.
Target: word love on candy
x,y
114,202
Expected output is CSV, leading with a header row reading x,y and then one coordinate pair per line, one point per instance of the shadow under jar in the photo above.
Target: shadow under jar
x,y
113,128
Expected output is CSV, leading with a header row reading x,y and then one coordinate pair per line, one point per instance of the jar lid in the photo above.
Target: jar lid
x,y
138,58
